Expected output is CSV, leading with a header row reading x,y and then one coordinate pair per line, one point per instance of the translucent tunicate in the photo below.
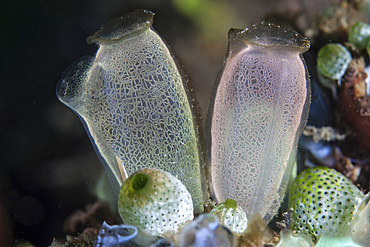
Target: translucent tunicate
x,y
260,105
360,226
327,241
299,240
135,104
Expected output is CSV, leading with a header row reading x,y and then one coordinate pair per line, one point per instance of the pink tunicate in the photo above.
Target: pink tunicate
x,y
259,107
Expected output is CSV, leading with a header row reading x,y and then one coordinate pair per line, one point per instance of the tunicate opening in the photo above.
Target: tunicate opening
x,y
270,35
139,181
123,27
70,87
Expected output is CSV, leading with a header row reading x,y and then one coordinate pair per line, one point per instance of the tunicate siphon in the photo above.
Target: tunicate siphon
x,y
135,104
260,105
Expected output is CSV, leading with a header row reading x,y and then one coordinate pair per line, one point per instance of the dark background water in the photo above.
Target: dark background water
x,y
48,168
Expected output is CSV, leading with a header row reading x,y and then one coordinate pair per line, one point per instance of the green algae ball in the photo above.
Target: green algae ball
x,y
154,201
324,202
231,216
359,35
332,60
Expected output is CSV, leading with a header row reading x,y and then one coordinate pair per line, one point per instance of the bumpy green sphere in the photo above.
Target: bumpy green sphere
x,y
324,202
154,201
359,35
332,61
231,216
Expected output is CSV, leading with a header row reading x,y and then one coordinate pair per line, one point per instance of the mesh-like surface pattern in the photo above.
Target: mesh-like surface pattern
x,y
260,106
132,100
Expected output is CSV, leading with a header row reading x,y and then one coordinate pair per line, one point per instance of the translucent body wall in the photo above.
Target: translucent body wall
x,y
260,105
134,104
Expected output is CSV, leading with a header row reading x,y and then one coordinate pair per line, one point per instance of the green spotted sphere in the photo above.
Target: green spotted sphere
x,y
154,201
332,61
324,202
231,215
359,35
